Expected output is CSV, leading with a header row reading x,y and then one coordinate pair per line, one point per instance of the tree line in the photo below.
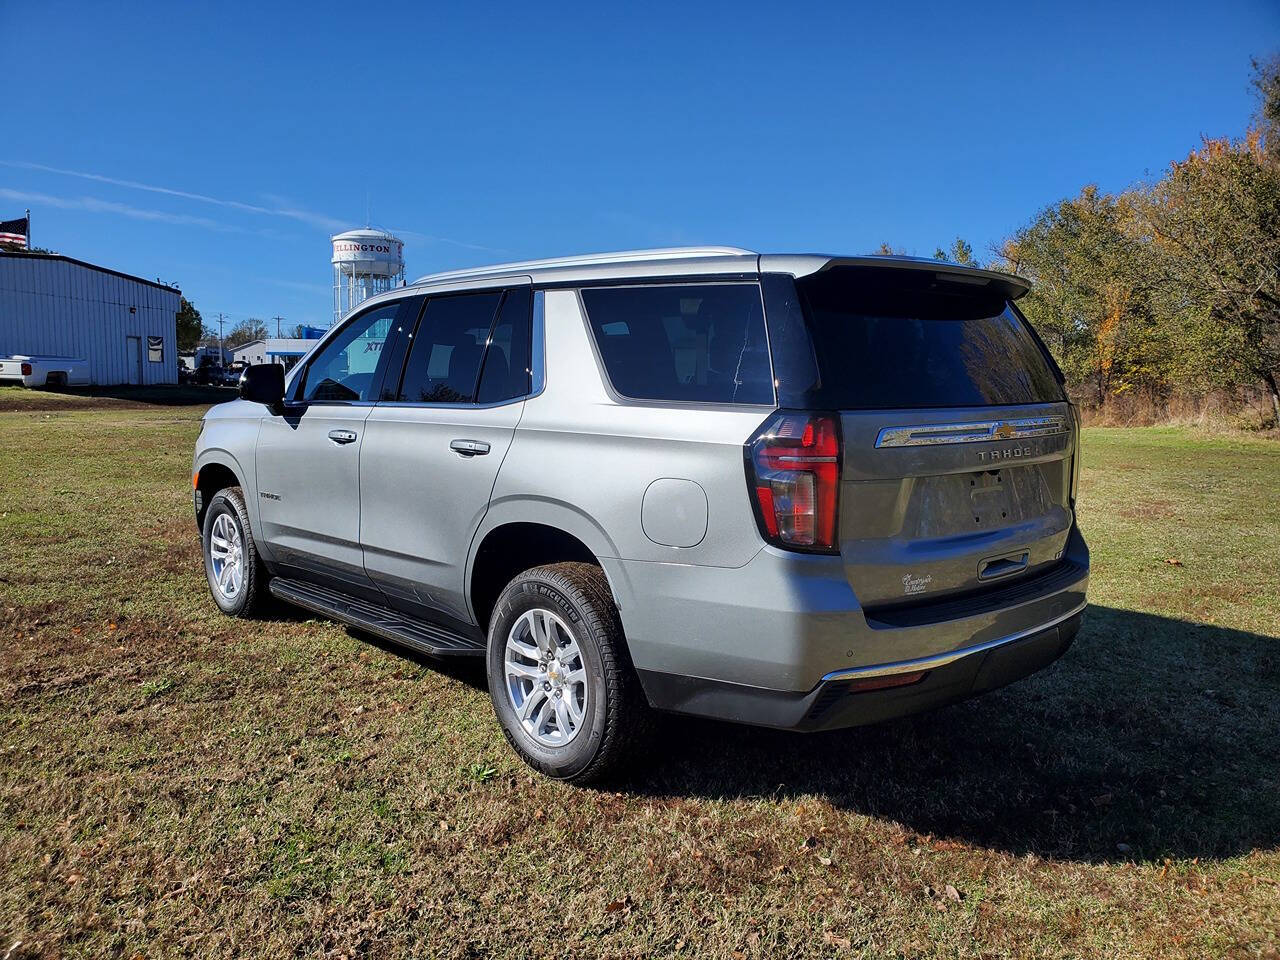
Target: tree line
x,y
1169,289
193,333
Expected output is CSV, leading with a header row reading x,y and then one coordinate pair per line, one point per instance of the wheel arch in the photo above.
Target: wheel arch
x,y
510,541
215,470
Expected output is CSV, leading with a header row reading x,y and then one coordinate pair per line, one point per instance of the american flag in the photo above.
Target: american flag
x,y
14,232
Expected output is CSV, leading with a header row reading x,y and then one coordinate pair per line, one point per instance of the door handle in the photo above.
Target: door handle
x,y
469,448
342,436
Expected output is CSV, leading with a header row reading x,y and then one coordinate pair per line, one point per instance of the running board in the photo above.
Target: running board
x,y
392,625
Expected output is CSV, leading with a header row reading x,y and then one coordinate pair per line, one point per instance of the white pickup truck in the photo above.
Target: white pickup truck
x,y
44,371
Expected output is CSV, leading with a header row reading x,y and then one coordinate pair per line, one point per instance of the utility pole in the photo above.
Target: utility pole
x,y
222,350
278,321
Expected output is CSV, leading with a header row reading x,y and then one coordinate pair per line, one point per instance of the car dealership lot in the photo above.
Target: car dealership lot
x,y
176,782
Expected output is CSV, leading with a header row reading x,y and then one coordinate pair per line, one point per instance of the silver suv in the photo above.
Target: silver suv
x,y
798,491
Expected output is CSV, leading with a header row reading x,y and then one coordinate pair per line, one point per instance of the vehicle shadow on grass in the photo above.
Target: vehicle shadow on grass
x,y
164,395
468,670
1151,737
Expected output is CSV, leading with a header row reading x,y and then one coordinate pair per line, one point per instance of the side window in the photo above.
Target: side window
x,y
507,360
444,361
701,343
347,368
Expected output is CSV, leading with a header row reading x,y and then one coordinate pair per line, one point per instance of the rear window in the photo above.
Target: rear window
x,y
696,343
895,339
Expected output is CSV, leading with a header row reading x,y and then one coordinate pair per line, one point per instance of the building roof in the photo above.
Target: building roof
x,y
22,254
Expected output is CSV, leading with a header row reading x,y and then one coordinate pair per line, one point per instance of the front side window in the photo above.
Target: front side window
x,y
347,367
693,343
448,347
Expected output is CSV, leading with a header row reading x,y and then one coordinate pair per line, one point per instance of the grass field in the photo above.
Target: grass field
x,y
174,783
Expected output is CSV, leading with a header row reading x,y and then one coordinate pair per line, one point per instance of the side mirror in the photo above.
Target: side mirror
x,y
263,383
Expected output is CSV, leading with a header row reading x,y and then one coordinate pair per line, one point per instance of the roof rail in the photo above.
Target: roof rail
x,y
590,259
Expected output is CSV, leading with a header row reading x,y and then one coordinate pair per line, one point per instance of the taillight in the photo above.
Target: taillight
x,y
793,470
26,369
1075,455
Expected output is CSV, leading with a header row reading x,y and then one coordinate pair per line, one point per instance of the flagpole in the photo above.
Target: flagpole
x,y
28,229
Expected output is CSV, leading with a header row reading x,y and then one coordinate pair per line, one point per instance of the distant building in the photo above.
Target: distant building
x,y
255,351
204,355
289,350
283,350
124,326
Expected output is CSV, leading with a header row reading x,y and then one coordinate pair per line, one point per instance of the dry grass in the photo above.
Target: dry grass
x,y
176,783
1244,410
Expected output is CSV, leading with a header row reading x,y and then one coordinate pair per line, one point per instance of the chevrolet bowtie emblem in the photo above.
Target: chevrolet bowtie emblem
x,y
1003,431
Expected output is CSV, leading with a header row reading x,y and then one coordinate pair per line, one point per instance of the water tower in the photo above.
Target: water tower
x,y
365,262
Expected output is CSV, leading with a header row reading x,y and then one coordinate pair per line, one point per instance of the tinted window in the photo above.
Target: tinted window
x,y
700,343
398,345
506,362
894,339
444,359
347,367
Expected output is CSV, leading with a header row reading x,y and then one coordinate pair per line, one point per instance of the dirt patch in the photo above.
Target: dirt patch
x,y
17,399
53,402
1149,510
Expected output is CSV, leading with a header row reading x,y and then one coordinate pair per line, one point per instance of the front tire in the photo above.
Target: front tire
x,y
236,575
559,675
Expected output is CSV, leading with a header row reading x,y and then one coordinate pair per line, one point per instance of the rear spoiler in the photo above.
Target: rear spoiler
x,y
1009,286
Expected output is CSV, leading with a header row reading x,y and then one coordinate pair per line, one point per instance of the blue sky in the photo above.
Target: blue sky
x,y
219,146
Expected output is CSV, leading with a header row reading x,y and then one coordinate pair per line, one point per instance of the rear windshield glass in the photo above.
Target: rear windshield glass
x,y
894,339
702,342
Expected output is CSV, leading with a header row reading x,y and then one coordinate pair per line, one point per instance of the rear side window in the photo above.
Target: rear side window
x,y
694,343
900,339
448,346
506,362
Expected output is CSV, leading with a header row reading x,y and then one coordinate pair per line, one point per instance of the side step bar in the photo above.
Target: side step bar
x,y
428,638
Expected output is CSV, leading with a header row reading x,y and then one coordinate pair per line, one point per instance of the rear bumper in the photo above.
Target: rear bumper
x,y
783,641
839,700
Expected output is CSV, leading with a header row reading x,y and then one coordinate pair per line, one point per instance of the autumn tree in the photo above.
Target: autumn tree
x,y
1214,219
886,250
961,252
1266,81
1092,295
246,331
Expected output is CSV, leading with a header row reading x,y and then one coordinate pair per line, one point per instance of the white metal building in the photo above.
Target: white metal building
x,y
285,350
126,327
255,351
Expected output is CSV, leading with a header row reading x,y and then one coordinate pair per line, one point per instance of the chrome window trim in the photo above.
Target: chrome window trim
x,y
942,659
979,431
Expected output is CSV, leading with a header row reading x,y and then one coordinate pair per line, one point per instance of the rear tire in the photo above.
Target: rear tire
x,y
559,675
236,575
